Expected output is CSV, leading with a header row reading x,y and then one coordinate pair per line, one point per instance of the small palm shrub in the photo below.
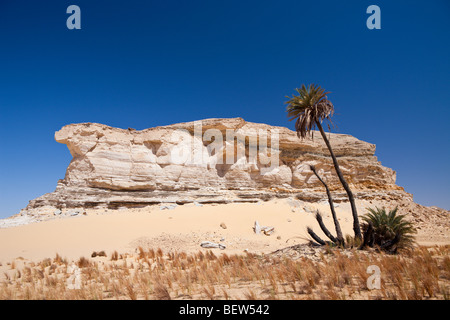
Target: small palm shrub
x,y
389,228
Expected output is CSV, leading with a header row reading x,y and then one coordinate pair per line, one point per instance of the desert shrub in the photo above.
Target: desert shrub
x,y
388,227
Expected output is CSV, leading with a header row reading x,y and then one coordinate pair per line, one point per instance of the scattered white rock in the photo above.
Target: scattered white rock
x,y
257,228
266,230
170,206
73,212
17,221
293,203
209,244
57,212
309,209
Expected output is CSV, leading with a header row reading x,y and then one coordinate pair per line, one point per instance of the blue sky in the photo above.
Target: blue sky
x,y
146,63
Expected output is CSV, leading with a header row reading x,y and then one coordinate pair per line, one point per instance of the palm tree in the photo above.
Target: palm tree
x,y
389,229
310,107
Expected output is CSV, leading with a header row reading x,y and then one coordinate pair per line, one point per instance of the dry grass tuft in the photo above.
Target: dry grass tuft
x,y
420,274
115,256
161,292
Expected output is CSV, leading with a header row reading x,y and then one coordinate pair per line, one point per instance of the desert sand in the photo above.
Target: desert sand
x,y
182,228
140,187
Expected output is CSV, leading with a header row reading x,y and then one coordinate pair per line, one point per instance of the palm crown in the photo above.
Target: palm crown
x,y
310,107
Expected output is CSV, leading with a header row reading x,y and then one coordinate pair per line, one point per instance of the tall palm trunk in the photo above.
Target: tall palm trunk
x,y
337,226
356,227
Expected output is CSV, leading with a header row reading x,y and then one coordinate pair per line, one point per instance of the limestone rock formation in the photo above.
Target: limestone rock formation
x,y
187,162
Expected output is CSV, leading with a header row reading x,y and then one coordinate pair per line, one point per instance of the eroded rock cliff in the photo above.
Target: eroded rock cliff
x,y
187,162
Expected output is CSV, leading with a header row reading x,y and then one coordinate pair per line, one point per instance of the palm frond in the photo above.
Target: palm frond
x,y
309,107
389,225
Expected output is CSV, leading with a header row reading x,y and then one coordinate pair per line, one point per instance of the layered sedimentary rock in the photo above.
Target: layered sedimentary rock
x,y
212,160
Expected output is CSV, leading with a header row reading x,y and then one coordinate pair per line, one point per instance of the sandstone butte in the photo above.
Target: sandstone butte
x,y
123,168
